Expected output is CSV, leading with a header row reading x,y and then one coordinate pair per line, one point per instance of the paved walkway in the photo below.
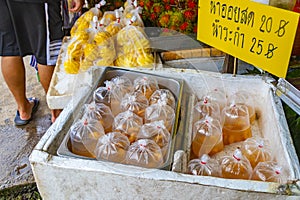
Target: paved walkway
x,y
16,143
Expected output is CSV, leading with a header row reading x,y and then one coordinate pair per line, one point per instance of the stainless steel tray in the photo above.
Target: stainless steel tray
x,y
175,85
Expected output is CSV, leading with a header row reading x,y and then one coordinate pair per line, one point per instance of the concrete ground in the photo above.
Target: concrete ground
x,y
16,143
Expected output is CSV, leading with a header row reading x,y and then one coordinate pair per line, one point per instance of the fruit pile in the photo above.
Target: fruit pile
x,y
178,15
109,38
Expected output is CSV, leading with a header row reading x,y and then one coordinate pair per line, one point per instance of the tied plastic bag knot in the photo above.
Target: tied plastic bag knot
x,y
204,166
112,147
236,166
145,153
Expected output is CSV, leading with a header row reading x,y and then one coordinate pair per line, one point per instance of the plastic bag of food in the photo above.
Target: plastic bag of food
x,y
128,124
84,135
218,96
123,85
244,98
207,137
205,107
269,171
100,51
257,149
112,93
114,26
163,95
236,124
135,102
144,153
131,15
133,48
147,85
112,147
73,57
205,166
236,166
84,21
157,132
100,112
108,96
160,111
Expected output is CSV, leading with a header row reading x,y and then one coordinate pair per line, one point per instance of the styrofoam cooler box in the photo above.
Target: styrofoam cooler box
x,y
60,177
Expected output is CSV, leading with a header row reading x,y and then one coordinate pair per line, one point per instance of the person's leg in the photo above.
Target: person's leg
x,y
13,72
45,73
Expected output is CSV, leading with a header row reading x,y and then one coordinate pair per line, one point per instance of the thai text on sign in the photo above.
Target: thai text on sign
x,y
258,34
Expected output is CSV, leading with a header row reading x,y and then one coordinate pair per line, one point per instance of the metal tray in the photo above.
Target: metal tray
x,y
175,85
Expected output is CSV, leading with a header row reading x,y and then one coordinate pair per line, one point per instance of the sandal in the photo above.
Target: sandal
x,y
20,122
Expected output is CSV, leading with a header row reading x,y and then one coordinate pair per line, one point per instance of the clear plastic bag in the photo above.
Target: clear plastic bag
x,y
132,16
205,107
157,132
205,166
113,92
160,111
207,137
122,85
133,48
236,126
218,96
100,112
236,166
112,147
100,51
84,135
269,171
257,149
84,21
108,96
244,98
135,102
163,95
146,85
73,56
113,27
128,124
144,153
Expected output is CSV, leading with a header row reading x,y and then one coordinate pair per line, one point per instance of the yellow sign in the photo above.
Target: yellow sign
x,y
259,34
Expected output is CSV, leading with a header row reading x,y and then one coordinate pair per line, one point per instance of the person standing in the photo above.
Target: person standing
x,y
30,27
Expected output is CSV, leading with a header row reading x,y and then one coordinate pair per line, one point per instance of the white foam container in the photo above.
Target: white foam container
x,y
60,177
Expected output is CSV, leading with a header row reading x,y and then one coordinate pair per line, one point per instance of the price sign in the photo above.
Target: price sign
x,y
258,34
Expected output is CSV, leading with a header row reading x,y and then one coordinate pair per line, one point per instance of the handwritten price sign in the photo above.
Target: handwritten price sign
x,y
258,34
